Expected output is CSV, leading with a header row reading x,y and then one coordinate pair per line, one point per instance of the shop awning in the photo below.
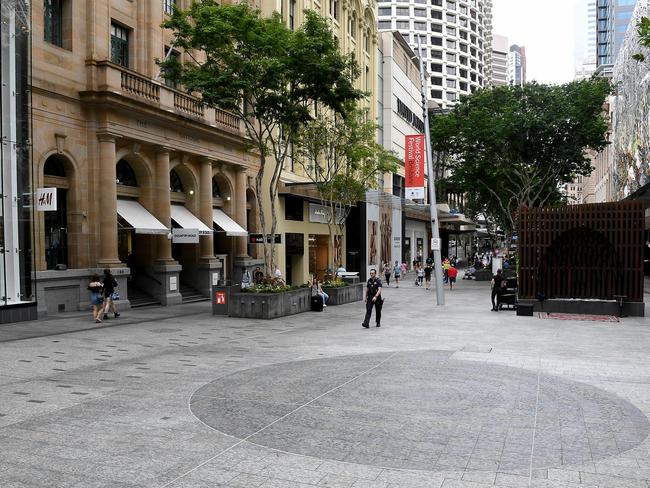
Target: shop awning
x,y
187,220
231,227
139,218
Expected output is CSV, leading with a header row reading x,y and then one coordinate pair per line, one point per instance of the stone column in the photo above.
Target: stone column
x,y
162,205
241,243
107,196
205,210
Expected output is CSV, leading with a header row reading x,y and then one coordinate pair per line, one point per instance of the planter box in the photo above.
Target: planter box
x,y
269,305
345,294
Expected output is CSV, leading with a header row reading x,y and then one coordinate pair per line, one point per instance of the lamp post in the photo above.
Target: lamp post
x,y
435,230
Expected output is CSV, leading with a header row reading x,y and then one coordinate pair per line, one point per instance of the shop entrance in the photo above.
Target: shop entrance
x,y
318,254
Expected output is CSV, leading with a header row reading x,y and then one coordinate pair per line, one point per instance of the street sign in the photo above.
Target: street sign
x,y
259,238
185,236
46,199
436,244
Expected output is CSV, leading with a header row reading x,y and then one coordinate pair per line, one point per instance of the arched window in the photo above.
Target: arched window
x,y
175,183
216,191
352,25
54,166
125,174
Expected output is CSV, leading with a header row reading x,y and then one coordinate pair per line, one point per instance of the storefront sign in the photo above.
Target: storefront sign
x,y
414,167
185,236
320,214
259,238
46,199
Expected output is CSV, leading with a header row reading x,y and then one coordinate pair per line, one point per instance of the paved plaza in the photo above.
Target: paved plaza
x,y
446,397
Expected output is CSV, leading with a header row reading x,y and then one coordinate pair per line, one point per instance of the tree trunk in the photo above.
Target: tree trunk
x,y
262,214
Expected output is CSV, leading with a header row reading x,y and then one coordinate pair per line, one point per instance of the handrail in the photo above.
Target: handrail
x,y
140,86
188,104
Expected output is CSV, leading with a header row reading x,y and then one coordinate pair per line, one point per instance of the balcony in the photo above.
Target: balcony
x,y
116,80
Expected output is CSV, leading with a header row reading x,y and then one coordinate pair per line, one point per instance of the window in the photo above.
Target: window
x,y
451,5
436,15
384,24
436,41
385,10
436,3
451,58
463,85
168,6
216,191
352,25
437,68
436,80
171,83
451,70
436,94
451,31
402,11
418,12
451,44
451,97
420,26
175,183
436,54
334,9
293,208
403,24
56,223
119,45
398,186
53,22
451,18
124,174
292,14
436,28
451,83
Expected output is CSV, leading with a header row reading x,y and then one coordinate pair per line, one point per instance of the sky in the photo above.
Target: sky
x,y
551,30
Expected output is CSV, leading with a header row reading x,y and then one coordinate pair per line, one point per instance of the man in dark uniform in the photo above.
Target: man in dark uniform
x,y
373,298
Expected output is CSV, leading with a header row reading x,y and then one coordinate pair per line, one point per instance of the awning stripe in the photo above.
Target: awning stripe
x,y
231,227
187,220
140,218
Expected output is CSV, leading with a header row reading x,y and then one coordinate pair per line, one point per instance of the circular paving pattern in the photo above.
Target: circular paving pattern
x,y
421,410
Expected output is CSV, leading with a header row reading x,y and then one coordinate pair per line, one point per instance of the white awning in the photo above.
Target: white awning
x,y
187,220
231,227
140,218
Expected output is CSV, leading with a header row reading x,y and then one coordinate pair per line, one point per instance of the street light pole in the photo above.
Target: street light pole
x,y
435,230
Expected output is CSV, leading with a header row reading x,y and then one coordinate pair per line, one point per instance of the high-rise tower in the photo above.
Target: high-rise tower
x,y
456,37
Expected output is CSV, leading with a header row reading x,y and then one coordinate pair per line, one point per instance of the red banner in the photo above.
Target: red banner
x,y
414,166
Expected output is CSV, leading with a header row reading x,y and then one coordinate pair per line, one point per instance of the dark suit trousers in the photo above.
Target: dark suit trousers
x,y
378,304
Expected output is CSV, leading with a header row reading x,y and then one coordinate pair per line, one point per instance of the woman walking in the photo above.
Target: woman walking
x,y
96,300
398,273
109,289
420,271
388,270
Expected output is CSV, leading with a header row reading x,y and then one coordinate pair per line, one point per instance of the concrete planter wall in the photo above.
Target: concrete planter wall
x,y
269,305
346,294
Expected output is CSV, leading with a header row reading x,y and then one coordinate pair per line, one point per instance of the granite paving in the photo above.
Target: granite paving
x,y
452,396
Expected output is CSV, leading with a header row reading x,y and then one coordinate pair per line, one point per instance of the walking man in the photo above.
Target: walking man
x,y
372,297
497,281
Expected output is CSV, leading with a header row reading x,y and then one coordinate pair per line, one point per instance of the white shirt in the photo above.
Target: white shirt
x,y
278,273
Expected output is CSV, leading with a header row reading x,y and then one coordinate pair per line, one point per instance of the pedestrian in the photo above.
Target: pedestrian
x,y
497,281
427,274
452,272
245,279
96,299
372,297
388,270
420,278
403,268
258,275
110,283
445,266
317,289
278,273
398,273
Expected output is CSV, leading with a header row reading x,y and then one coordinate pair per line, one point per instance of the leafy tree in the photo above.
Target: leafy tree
x,y
643,29
269,75
511,146
341,157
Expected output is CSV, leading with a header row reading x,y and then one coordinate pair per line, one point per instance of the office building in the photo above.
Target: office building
x,y
499,60
517,65
613,18
456,38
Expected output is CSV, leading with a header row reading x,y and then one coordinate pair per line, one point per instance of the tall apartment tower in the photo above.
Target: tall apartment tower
x,y
456,38
499,60
613,18
517,65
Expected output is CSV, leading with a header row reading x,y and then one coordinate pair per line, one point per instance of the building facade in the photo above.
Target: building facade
x,y
499,60
456,38
517,65
305,247
148,181
612,20
17,293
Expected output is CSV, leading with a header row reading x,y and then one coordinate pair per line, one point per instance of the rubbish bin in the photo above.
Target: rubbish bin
x,y
220,299
525,309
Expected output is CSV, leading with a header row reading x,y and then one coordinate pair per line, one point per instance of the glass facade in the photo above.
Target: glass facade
x,y
16,244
